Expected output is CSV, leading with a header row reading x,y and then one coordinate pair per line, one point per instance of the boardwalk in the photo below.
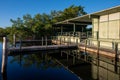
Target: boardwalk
x,y
41,48
109,53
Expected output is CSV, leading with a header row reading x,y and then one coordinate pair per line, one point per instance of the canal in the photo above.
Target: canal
x,y
49,65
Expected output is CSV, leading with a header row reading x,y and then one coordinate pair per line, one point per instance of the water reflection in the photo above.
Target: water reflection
x,y
37,66
91,68
41,60
4,75
42,66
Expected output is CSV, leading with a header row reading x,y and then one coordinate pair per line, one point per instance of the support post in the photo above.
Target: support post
x,y
85,50
76,41
4,55
61,30
67,55
74,28
98,46
73,59
79,54
60,40
42,41
46,40
61,53
70,37
98,62
14,40
116,56
20,43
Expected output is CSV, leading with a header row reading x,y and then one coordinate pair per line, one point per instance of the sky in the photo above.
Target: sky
x,y
12,9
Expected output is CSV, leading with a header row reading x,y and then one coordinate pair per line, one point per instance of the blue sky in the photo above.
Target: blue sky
x,y
11,9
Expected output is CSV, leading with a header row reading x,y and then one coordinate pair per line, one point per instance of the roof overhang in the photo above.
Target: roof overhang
x,y
81,20
87,19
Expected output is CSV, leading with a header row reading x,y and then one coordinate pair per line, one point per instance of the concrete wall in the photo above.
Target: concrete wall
x,y
95,27
108,26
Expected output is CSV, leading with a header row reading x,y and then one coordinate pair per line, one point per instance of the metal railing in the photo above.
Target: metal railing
x,y
75,34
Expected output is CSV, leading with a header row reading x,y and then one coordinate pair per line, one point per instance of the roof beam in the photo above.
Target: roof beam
x,y
81,22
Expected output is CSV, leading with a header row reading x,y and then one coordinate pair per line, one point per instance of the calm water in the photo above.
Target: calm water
x,y
37,66
44,66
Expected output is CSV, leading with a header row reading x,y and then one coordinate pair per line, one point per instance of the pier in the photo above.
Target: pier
x,y
41,48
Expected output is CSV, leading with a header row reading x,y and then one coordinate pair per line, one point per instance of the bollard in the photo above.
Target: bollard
x,y
4,55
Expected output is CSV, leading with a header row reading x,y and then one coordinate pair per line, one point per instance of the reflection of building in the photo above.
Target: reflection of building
x,y
105,71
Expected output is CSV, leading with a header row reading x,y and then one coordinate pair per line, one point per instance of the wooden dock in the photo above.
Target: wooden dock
x,y
109,53
40,48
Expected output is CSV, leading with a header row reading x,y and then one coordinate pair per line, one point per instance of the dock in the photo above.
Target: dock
x,y
41,48
96,50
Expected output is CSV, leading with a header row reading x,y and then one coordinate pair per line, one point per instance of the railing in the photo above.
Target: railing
x,y
72,37
75,34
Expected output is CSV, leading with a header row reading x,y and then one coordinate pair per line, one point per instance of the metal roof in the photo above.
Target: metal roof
x,y
87,18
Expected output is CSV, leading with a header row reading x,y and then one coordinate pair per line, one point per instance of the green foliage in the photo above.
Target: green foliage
x,y
40,24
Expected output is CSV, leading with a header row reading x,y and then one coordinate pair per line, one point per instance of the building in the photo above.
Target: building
x,y
105,28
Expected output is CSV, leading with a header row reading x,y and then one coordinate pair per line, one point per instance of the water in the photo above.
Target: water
x,y
36,66
44,66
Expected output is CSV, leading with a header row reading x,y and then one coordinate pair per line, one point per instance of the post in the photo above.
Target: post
x,y
73,59
60,40
4,55
64,40
70,39
85,49
76,41
98,46
98,62
85,44
67,55
61,53
14,40
116,56
97,35
46,40
20,43
61,30
79,54
74,28
80,37
42,41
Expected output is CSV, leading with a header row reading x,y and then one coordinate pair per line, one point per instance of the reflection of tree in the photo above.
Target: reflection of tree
x,y
41,60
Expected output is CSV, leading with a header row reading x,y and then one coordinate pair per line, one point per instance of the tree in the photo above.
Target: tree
x,y
67,13
41,24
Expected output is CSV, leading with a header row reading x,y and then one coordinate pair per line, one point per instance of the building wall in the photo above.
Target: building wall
x,y
108,26
95,27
